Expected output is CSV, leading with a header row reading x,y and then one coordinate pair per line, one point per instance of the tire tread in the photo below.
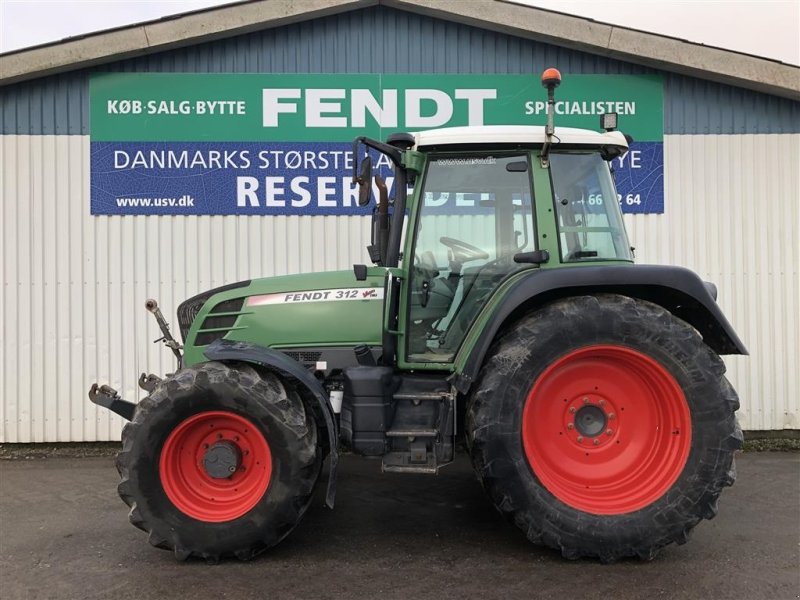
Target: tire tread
x,y
246,380
487,426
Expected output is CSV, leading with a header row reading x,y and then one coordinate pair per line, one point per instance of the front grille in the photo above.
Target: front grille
x,y
219,322
204,339
188,310
233,305
307,359
187,313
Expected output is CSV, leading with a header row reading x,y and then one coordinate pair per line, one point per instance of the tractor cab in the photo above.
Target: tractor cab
x,y
485,210
487,204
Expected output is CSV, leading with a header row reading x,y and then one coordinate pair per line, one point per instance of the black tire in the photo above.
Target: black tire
x,y
570,326
278,414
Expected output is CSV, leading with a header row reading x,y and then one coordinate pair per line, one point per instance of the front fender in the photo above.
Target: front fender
x,y
307,385
676,289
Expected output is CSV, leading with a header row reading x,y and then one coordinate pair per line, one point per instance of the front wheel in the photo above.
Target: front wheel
x,y
220,460
604,427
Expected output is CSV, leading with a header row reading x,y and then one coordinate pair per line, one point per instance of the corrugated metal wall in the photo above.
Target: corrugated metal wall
x,y
733,215
383,40
74,285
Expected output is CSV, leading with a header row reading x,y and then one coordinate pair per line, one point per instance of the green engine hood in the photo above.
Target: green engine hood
x,y
308,310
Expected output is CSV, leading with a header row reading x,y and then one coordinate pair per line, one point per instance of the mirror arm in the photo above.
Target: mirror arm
x,y
393,153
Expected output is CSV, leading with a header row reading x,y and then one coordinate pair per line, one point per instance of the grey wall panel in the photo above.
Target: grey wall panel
x,y
383,40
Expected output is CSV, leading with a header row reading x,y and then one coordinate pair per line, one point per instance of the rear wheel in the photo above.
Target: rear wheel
x,y
220,460
603,426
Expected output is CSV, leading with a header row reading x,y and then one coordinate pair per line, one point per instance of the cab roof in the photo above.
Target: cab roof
x,y
516,135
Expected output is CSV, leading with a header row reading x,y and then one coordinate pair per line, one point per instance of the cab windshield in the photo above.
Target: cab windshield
x,y
475,215
589,219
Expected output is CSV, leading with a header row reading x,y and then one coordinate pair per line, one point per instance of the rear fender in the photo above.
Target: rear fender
x,y
676,289
308,386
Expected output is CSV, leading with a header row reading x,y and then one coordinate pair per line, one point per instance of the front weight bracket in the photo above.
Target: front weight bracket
x,y
107,397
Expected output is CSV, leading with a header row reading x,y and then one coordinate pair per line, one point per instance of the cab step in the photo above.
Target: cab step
x,y
412,433
404,462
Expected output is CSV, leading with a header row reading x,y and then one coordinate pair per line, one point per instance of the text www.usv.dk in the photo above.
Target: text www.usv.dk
x,y
184,201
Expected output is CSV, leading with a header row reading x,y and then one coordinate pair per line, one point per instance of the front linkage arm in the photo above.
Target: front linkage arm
x,y
166,336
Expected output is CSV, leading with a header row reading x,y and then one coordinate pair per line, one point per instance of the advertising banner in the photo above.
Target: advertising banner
x,y
264,144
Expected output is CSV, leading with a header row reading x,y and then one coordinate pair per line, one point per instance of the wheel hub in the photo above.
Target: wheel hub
x,y
590,420
222,459
215,466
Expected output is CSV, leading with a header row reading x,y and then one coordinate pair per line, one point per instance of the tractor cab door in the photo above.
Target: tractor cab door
x,y
474,213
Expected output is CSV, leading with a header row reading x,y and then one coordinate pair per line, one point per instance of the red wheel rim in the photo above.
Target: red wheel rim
x,y
192,489
606,429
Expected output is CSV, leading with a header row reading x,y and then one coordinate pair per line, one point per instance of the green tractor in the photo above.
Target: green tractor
x,y
503,309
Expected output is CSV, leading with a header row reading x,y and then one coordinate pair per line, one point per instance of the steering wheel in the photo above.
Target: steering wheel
x,y
462,251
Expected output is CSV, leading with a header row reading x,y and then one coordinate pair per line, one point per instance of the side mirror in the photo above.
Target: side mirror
x,y
364,180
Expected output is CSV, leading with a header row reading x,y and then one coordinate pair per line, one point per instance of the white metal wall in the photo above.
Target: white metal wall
x,y
733,216
74,285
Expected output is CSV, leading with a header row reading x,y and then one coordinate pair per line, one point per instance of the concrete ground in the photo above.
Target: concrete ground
x,y
64,534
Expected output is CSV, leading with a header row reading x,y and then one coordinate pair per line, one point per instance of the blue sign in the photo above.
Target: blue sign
x,y
282,178
258,144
